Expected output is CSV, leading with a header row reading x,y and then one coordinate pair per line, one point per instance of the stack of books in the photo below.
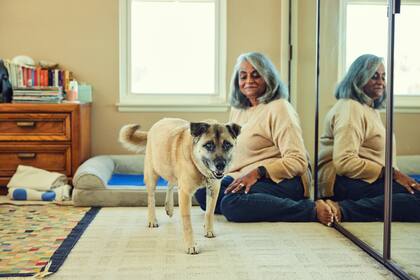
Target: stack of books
x,y
37,95
21,76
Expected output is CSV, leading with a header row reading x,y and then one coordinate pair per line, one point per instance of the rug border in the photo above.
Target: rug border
x,y
60,255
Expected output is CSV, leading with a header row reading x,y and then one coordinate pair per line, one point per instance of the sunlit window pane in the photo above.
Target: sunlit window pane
x,y
367,32
173,47
407,54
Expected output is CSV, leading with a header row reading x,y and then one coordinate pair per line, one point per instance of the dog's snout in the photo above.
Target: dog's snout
x,y
220,164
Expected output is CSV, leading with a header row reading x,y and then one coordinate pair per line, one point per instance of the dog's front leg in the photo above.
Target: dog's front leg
x,y
185,210
169,200
212,192
151,178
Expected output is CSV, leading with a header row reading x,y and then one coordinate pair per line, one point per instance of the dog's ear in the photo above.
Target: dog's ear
x,y
198,128
234,129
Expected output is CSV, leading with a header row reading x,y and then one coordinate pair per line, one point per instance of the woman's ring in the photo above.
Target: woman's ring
x,y
413,185
242,185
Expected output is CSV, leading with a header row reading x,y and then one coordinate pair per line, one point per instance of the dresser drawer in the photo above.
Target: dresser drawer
x,y
35,127
49,157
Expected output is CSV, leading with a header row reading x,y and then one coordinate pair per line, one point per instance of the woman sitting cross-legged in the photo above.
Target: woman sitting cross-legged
x,y
352,151
269,178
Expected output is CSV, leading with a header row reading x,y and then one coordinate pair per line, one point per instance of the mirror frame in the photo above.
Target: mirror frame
x,y
385,257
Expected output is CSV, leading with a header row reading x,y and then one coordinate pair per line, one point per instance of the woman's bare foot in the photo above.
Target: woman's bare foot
x,y
324,212
335,209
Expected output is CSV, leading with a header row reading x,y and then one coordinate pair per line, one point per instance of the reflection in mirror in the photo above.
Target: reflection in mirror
x,y
352,134
405,238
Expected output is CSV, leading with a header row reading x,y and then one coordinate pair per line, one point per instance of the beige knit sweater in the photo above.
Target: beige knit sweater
x,y
270,136
352,144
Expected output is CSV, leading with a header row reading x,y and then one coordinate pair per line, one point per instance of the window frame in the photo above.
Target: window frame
x,y
130,102
402,103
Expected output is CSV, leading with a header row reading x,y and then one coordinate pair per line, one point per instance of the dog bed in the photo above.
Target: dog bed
x,y
115,180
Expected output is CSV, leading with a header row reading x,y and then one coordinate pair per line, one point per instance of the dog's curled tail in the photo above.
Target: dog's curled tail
x,y
132,138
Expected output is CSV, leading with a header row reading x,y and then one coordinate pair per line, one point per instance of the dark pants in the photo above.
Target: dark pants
x,y
363,202
265,202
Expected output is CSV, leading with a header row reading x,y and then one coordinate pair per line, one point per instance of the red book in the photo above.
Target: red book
x,y
25,76
38,76
28,76
46,81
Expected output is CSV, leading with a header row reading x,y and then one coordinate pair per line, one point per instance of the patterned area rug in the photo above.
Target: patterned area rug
x,y
37,239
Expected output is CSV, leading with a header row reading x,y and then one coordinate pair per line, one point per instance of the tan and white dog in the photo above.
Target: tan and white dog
x,y
189,156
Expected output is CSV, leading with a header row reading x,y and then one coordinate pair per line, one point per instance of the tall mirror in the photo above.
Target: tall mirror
x,y
358,44
405,228
353,56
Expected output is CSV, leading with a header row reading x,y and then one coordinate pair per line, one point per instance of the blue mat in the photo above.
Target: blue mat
x,y
416,177
134,180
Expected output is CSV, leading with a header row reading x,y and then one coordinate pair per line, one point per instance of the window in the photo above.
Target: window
x,y
172,55
366,31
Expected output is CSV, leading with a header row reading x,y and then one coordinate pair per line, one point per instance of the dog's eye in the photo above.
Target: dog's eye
x,y
227,146
209,146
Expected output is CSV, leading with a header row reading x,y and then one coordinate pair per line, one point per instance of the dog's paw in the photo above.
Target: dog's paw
x,y
169,210
210,234
153,224
208,231
193,250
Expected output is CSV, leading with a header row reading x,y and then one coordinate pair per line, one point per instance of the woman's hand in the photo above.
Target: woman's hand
x,y
406,181
246,181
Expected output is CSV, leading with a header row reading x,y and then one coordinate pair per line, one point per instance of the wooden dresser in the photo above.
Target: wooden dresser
x,y
54,137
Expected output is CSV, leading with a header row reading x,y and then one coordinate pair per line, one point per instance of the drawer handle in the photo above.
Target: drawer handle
x,y
25,124
26,155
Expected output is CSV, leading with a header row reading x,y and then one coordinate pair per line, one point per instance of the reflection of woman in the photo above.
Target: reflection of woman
x,y
352,154
269,179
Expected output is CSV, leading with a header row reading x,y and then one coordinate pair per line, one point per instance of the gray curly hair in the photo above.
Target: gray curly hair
x,y
358,75
275,88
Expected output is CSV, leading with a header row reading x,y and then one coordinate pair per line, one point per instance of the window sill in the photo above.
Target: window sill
x,y
172,103
407,104
407,109
130,107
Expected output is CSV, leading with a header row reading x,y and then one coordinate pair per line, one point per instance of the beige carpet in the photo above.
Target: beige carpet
x,y
118,245
405,242
371,233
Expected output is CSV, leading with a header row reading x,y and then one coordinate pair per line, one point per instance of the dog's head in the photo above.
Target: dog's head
x,y
213,144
